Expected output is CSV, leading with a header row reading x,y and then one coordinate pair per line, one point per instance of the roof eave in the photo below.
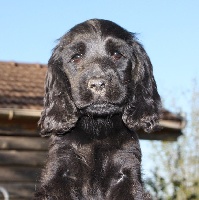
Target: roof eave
x,y
11,113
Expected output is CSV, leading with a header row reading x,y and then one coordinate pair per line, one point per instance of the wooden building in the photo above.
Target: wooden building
x,y
22,151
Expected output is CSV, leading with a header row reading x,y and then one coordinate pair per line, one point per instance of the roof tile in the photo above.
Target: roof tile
x,y
21,85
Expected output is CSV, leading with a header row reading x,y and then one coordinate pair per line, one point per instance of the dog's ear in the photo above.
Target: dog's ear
x,y
60,113
143,109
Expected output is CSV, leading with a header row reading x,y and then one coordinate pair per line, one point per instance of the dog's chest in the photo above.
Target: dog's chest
x,y
99,161
101,169
98,169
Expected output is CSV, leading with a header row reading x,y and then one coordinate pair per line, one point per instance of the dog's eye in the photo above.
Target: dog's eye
x,y
76,58
116,55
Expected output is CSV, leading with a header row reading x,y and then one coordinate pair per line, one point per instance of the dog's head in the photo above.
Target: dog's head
x,y
99,69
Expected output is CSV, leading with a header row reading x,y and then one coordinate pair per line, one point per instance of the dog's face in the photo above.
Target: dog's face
x,y
99,69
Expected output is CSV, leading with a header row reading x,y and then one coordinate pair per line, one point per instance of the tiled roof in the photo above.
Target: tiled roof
x,y
21,85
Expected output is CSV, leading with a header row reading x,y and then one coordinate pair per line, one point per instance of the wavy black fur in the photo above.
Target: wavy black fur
x,y
99,89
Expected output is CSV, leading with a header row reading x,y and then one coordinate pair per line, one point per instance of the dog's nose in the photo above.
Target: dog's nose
x,y
97,85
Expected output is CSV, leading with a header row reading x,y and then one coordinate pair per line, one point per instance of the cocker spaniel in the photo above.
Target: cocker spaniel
x,y
99,89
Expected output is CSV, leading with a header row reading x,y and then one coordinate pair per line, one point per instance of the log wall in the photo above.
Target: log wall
x,y
22,157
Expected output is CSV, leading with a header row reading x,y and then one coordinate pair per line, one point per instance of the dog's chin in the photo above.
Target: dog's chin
x,y
104,109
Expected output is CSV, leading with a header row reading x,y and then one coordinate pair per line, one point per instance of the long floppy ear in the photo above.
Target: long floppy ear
x,y
60,113
143,109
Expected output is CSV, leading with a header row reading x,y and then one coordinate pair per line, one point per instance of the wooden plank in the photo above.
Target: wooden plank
x,y
163,135
19,191
26,124
19,174
23,143
15,131
23,158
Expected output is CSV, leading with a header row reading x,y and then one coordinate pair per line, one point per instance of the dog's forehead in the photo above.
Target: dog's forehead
x,y
103,28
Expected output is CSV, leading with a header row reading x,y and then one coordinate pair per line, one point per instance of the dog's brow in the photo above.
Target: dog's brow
x,y
78,46
115,41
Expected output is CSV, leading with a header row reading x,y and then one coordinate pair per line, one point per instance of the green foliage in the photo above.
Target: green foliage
x,y
176,176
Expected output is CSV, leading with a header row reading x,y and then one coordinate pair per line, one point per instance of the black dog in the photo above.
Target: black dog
x,y
99,89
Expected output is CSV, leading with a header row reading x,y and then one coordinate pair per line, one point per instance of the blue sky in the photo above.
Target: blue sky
x,y
168,29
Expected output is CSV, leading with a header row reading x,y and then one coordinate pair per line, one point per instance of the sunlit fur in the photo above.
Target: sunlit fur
x,y
99,89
